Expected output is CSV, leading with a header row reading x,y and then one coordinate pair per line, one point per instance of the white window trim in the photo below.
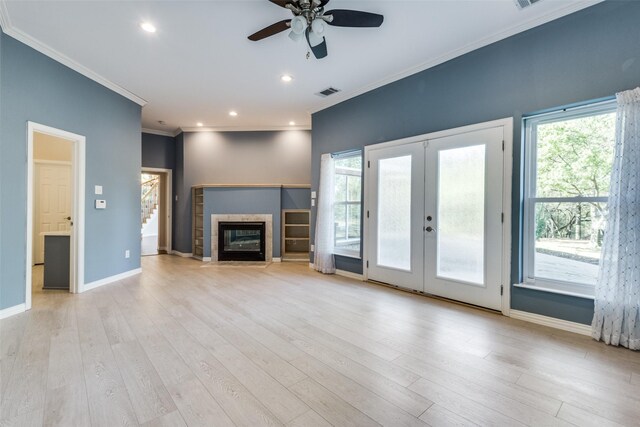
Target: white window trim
x,y
341,251
581,290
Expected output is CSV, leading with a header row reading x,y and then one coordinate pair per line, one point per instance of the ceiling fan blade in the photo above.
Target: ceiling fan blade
x,y
319,51
272,29
281,3
354,18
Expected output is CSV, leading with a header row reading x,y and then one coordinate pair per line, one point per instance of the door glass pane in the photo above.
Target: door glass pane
x,y
460,220
394,213
568,241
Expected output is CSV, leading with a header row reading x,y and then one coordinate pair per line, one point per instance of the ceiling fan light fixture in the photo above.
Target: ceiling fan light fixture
x,y
318,26
299,25
295,36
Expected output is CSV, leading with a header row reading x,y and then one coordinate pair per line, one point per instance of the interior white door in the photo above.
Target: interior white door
x,y
52,203
395,247
463,217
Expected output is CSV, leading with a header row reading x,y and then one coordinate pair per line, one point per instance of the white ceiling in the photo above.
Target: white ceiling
x,y
199,64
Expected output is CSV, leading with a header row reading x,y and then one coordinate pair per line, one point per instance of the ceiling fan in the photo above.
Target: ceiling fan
x,y
310,20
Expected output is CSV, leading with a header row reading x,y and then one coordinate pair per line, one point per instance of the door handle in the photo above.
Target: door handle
x,y
428,229
68,218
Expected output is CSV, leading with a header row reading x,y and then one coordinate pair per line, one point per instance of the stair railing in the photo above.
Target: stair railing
x,y
149,200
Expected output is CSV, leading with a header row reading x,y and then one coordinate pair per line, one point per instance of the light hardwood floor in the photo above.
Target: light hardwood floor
x,y
187,343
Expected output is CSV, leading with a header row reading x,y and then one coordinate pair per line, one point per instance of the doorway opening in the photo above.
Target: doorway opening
x,y
155,211
55,211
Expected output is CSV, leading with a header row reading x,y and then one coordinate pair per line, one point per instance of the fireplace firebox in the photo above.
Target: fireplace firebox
x,y
241,241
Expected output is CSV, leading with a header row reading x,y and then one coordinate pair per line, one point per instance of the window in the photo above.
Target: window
x,y
347,207
569,158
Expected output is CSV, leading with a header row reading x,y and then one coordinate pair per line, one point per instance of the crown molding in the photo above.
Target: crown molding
x,y
511,31
243,128
159,132
22,37
5,22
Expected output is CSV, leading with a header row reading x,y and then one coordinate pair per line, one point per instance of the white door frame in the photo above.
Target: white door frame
x,y
77,210
168,201
507,124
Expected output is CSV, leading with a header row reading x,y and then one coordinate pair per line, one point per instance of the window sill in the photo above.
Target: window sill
x,y
560,288
347,254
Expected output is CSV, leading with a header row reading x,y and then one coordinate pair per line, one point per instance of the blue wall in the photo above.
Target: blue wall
x,y
39,89
252,200
224,201
1,180
296,198
588,55
158,151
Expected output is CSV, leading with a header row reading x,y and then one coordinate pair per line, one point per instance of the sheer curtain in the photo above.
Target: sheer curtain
x,y
323,260
616,320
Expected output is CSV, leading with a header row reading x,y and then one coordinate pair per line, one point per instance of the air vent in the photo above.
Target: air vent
x,y
525,3
328,91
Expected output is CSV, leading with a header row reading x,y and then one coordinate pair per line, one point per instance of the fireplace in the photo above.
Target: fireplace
x,y
241,241
217,243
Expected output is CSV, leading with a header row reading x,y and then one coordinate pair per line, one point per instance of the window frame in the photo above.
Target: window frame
x,y
337,250
530,124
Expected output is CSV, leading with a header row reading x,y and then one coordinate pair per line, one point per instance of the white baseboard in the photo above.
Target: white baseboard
x,y
344,273
12,311
110,279
276,259
206,259
552,322
350,275
182,254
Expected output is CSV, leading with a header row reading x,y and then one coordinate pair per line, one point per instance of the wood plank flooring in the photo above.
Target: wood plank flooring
x,y
192,344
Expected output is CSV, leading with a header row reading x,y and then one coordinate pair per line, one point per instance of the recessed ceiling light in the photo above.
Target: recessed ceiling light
x,y
292,123
199,124
286,78
233,113
148,27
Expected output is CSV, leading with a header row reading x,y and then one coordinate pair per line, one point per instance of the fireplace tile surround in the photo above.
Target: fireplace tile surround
x,y
266,218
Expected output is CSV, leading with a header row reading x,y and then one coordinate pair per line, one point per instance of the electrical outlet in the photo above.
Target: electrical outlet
x,y
313,202
127,253
313,248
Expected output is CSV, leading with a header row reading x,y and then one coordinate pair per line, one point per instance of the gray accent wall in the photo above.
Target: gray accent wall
x,y
589,55
36,88
268,157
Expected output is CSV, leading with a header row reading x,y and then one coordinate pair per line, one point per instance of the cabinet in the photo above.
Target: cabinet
x,y
295,235
197,209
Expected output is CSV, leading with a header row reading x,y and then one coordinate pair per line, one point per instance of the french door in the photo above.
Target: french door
x,y
435,216
396,200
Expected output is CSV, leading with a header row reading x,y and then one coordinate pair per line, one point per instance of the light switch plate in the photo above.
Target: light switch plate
x,y
101,204
98,189
313,194
313,202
